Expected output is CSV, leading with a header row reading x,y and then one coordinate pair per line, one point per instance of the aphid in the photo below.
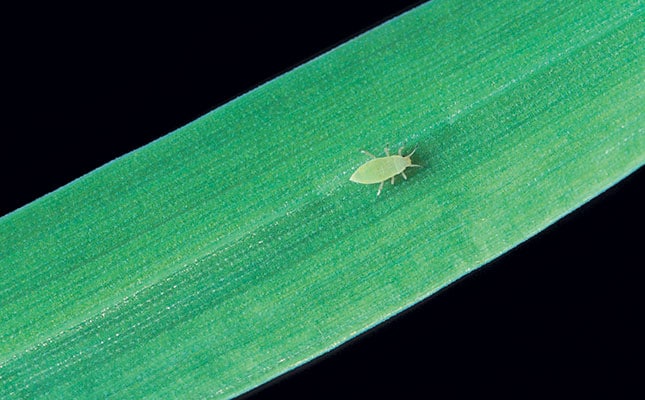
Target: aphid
x,y
379,170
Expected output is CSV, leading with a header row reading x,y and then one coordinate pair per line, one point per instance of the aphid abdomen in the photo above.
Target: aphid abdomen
x,y
375,171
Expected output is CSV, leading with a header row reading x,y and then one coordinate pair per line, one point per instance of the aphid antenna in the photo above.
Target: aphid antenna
x,y
410,155
415,149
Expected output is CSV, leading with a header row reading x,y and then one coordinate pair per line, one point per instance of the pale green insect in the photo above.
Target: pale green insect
x,y
379,170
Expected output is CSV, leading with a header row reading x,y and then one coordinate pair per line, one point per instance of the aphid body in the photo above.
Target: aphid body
x,y
380,169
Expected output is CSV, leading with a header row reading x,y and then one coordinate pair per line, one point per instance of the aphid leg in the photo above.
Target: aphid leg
x,y
392,180
415,149
404,175
401,150
368,153
380,187
387,150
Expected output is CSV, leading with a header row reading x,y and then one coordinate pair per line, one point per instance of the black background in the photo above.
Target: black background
x,y
558,315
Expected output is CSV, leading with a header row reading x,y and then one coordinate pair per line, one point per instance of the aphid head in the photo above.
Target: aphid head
x,y
410,155
408,160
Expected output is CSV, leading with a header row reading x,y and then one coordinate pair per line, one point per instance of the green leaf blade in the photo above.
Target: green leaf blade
x,y
235,249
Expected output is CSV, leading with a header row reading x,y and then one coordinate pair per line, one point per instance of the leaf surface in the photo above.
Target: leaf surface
x,y
236,248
